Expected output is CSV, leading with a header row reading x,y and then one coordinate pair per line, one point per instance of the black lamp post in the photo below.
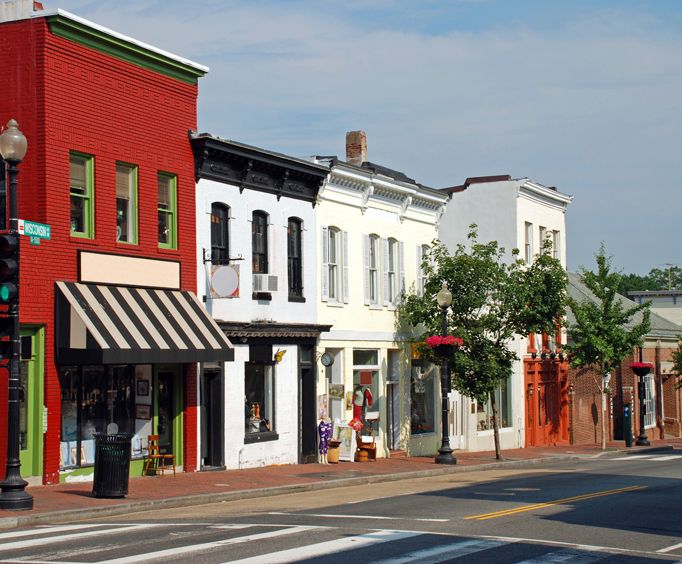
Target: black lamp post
x,y
444,456
13,496
641,369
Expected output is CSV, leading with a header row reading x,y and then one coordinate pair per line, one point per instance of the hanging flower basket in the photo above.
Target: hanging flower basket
x,y
443,346
641,368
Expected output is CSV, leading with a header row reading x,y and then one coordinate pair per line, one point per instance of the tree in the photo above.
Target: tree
x,y
677,361
604,333
493,301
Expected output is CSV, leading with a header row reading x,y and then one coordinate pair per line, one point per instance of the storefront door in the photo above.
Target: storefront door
x,y
31,402
167,410
212,417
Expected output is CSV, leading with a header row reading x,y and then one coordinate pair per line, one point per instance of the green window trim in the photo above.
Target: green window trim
x,y
88,197
169,212
133,206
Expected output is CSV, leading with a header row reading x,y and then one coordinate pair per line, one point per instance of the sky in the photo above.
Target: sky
x,y
584,95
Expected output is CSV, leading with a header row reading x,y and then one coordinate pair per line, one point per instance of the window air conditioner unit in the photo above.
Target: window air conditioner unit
x,y
264,283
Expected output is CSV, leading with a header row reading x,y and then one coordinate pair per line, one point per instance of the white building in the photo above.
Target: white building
x,y
256,243
517,213
374,224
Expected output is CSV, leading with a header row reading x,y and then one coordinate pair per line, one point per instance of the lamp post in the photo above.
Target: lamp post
x,y
444,456
13,496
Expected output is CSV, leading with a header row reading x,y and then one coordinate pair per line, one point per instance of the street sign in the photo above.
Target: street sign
x,y
34,230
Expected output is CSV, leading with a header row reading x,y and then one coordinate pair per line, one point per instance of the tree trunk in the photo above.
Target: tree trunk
x,y
602,389
496,427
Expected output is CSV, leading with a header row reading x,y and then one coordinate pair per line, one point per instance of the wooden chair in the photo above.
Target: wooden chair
x,y
156,462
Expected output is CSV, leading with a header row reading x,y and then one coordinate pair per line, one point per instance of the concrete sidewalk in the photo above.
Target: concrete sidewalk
x,y
74,501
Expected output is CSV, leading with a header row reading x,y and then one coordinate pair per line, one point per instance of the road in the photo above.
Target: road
x,y
611,509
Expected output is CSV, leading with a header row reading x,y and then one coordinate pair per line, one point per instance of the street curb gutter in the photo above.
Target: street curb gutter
x,y
205,499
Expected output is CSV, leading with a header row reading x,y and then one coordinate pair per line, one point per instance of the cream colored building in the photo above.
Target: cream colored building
x,y
373,225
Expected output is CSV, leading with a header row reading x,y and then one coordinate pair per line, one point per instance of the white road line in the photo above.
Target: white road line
x,y
669,457
381,497
336,516
634,457
59,538
447,551
563,556
670,548
326,548
48,530
172,552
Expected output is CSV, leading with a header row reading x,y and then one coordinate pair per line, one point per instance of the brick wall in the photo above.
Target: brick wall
x,y
68,97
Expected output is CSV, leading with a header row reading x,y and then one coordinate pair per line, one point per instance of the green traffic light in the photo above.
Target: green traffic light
x,y
4,293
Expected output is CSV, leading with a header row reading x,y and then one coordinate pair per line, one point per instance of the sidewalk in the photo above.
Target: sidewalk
x,y
74,501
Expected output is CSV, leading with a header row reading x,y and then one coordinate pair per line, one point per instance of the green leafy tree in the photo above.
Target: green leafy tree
x,y
494,300
604,333
669,278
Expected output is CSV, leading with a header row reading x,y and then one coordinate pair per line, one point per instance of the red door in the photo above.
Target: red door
x,y
546,402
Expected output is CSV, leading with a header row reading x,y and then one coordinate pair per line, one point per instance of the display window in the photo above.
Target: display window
x,y
484,411
422,399
95,399
366,389
259,390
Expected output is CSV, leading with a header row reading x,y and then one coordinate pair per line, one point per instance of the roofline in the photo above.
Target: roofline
x,y
645,293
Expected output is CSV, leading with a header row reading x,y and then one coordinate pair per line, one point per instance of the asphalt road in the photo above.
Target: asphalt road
x,y
611,509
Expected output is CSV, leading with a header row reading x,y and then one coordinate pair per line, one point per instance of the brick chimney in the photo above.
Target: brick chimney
x,y
356,147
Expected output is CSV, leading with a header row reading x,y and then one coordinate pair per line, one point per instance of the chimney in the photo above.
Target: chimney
x,y
356,147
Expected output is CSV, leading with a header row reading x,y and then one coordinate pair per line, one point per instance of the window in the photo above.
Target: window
x,y
372,270
95,399
422,253
220,234
168,238
81,194
334,265
422,399
259,390
294,262
366,388
393,275
259,242
528,245
556,245
649,403
542,231
126,203
484,411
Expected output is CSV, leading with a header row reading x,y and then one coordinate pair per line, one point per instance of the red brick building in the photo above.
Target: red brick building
x,y
111,328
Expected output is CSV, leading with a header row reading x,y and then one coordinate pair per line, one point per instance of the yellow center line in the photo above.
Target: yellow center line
x,y
524,508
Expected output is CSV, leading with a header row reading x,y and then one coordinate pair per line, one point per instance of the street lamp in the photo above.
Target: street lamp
x,y
13,496
444,456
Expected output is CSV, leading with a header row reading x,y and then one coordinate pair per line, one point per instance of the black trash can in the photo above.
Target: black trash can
x,y
112,465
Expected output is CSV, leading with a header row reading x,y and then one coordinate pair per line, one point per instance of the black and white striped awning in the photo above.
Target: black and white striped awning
x,y
98,324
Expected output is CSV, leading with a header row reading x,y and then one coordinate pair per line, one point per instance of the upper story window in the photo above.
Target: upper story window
x,y
82,195
528,243
334,265
422,252
294,259
126,203
259,242
220,247
167,211
556,245
372,269
393,275
542,232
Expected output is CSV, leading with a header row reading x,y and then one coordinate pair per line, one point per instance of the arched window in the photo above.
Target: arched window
x,y
294,259
259,242
220,234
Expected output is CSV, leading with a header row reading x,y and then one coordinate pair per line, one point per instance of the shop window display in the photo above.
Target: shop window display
x,y
259,392
366,391
422,400
484,411
95,399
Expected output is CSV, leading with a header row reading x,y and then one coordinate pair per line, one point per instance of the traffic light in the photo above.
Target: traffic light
x,y
9,269
9,293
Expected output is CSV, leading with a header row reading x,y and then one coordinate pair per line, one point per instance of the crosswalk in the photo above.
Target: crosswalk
x,y
262,543
648,457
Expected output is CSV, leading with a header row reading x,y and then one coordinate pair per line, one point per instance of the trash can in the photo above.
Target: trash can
x,y
627,424
112,465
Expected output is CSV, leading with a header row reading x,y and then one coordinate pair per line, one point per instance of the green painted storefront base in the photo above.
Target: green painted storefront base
x,y
86,474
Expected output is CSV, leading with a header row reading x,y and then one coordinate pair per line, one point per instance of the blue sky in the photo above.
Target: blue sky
x,y
585,95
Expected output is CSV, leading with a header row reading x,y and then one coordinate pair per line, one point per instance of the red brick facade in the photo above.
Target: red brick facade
x,y
68,97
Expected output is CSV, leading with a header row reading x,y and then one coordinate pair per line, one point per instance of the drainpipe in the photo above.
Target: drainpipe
x,y
658,379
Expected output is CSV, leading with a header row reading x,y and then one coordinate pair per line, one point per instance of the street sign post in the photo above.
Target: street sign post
x,y
34,230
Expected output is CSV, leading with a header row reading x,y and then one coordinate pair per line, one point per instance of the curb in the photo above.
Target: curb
x,y
204,499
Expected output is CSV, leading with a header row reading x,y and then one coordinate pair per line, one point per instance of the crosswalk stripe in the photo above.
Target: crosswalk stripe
x,y
328,547
634,457
669,457
447,551
648,457
30,543
572,556
193,548
46,530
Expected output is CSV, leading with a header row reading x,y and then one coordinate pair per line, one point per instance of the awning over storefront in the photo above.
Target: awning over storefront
x,y
99,324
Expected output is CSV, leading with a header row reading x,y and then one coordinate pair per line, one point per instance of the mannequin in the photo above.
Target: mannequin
x,y
358,402
324,429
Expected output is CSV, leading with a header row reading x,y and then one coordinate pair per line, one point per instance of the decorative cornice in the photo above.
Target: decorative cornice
x,y
68,26
256,169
